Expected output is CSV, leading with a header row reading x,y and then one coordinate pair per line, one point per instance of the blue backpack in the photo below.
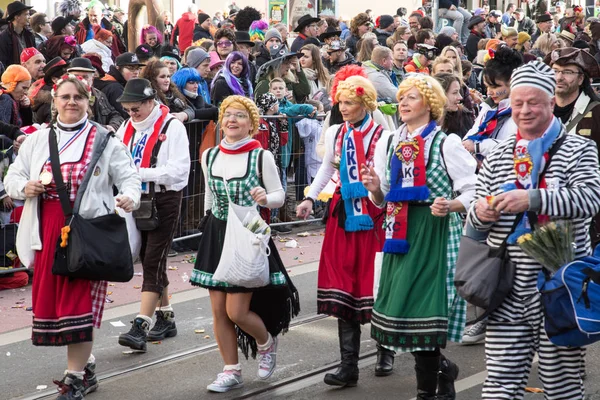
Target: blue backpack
x,y
571,302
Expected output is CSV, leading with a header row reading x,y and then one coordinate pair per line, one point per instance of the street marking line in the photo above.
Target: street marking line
x,y
22,334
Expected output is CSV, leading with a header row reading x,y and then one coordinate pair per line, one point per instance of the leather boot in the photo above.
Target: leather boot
x,y
447,376
347,372
427,376
385,361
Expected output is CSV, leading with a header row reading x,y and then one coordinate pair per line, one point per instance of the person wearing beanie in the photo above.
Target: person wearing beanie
x,y
199,60
451,9
34,61
16,37
272,38
557,175
101,44
493,25
450,32
202,29
524,45
15,107
387,26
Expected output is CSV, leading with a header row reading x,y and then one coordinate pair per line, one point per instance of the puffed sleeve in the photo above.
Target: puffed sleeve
x,y
275,193
461,167
19,171
326,170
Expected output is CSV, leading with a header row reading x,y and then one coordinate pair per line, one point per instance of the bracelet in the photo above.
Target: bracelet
x,y
310,199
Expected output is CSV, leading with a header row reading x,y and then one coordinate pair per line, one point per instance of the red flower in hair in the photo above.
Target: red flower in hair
x,y
360,91
491,53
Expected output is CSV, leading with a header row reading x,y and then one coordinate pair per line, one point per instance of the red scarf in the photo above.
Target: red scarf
x,y
248,147
129,133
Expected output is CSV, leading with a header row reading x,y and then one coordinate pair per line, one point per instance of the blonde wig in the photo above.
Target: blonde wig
x,y
358,89
430,89
457,64
241,103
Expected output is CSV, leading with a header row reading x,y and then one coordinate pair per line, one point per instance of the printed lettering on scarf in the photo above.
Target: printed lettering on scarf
x,y
408,151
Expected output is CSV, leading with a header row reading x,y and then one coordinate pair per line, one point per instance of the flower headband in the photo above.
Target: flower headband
x,y
65,77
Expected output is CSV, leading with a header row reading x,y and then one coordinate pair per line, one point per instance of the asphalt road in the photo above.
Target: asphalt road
x,y
181,367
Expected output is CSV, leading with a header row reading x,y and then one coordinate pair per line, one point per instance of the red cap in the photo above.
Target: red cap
x,y
27,53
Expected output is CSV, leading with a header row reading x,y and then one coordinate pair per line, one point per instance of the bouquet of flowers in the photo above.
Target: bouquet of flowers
x,y
552,245
256,225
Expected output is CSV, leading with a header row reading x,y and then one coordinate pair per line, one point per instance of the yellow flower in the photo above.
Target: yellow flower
x,y
524,238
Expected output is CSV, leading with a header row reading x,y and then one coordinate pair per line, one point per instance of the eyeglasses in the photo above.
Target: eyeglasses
x,y
76,98
133,68
132,110
224,43
235,115
567,72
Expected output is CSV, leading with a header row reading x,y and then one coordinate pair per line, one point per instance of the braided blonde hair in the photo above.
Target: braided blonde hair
x,y
430,89
241,103
351,89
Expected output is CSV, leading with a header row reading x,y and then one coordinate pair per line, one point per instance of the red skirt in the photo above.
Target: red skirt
x,y
65,311
345,283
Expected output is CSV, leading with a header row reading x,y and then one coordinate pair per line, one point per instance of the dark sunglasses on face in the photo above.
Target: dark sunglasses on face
x,y
132,110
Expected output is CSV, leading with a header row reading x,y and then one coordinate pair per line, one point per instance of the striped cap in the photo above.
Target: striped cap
x,y
534,74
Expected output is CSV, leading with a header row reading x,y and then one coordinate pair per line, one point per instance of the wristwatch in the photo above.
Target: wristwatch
x,y
309,198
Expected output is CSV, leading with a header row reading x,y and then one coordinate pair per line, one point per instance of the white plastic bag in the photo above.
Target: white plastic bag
x,y
244,261
377,273
135,236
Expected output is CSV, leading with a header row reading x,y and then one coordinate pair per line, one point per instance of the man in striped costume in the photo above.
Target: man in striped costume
x,y
569,188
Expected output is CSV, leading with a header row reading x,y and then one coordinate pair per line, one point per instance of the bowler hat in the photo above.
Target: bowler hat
x,y
304,21
243,37
543,18
81,64
15,8
137,89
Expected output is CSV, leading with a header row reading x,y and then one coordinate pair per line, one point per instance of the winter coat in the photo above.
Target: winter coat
x,y
263,55
381,80
333,68
298,43
300,89
183,33
201,33
104,113
219,90
112,85
12,113
472,43
382,36
41,105
10,50
351,44
202,110
94,46
81,34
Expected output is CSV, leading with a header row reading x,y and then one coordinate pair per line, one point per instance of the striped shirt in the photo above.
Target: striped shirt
x,y
573,193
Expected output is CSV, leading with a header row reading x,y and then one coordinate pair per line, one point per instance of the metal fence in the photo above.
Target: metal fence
x,y
193,196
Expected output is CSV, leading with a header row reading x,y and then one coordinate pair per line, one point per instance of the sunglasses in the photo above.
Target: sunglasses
x,y
224,43
132,110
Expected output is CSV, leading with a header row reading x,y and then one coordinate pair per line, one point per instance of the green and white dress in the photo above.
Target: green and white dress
x,y
277,302
417,307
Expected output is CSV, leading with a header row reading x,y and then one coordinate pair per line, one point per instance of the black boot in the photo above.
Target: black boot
x,y
446,378
427,376
385,361
164,326
137,335
347,372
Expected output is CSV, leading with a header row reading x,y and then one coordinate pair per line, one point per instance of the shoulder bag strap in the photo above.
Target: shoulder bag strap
x,y
573,123
61,188
90,171
259,168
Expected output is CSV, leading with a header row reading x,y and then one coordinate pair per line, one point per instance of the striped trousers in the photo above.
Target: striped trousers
x,y
515,332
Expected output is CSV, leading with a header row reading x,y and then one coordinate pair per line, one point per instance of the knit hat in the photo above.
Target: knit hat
x,y
27,53
265,101
385,21
535,74
14,74
523,37
492,44
448,31
196,57
273,33
479,11
202,17
96,62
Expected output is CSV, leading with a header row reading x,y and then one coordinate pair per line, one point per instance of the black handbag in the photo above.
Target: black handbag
x,y
98,248
146,216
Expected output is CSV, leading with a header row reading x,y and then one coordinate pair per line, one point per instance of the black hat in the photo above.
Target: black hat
x,y
128,59
54,68
475,20
202,17
282,52
304,21
137,89
330,32
60,23
243,37
15,8
543,18
170,51
385,21
144,52
81,64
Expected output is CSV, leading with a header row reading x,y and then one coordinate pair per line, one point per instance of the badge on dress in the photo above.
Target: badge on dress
x,y
46,177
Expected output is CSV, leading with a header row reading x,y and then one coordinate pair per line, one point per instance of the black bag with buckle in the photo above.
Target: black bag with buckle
x,y
146,216
98,248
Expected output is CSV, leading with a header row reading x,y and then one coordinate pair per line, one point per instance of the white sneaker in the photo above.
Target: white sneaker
x,y
475,333
267,361
226,381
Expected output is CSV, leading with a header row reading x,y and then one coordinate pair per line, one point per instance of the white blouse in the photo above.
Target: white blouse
x,y
459,163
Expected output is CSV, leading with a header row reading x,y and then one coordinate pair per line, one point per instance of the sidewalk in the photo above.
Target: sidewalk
x,y
15,304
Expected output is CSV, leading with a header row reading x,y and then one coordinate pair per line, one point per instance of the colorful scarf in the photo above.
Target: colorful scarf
x,y
408,182
240,147
530,158
142,150
354,193
489,124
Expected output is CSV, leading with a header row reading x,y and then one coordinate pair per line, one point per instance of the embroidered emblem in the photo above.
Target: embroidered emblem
x,y
393,208
408,151
97,171
523,166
